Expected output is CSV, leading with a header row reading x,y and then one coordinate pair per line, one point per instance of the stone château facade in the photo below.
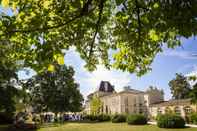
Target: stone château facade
x,y
182,107
127,101
150,102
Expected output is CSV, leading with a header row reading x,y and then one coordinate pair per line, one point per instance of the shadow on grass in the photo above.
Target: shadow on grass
x,y
14,128
89,122
46,125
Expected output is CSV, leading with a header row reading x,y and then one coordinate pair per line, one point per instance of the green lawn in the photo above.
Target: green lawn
x,y
102,127
108,127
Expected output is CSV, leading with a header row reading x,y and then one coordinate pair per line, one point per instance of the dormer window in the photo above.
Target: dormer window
x,y
106,86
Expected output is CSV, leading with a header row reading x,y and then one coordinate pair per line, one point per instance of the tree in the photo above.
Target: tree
x,y
135,30
193,94
8,81
95,105
180,88
126,88
55,91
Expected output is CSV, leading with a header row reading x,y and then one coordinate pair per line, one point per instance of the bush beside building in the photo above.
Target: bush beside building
x,y
136,119
118,118
170,121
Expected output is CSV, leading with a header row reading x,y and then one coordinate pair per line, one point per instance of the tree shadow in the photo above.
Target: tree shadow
x,y
13,128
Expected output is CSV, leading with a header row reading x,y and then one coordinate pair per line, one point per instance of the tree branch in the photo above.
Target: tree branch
x,y
101,4
138,19
85,11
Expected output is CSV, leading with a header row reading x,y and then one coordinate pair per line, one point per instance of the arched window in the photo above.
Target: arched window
x,y
141,111
177,110
188,110
159,111
168,110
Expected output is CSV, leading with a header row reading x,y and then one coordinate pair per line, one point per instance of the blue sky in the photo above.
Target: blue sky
x,y
165,65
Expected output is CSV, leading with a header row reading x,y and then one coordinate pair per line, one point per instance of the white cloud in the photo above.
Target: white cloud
x,y
117,78
186,68
180,54
89,81
192,73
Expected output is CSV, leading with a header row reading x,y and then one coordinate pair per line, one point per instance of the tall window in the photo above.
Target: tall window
x,y
126,101
159,111
177,110
106,86
101,109
126,110
106,109
141,111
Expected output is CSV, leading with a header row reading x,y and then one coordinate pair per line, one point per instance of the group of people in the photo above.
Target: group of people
x,y
47,117
51,117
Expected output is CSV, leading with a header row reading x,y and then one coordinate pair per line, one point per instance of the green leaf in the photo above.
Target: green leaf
x,y
59,58
156,5
51,68
153,36
5,3
119,2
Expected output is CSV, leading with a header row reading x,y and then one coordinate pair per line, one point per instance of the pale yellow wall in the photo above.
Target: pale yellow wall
x,y
154,110
113,104
130,105
137,102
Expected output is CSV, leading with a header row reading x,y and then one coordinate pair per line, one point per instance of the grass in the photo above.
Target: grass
x,y
108,127
102,127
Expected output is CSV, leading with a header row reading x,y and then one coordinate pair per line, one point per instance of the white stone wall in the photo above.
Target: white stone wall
x,y
128,102
112,103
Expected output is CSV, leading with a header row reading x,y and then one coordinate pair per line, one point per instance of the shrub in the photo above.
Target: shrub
x,y
136,119
89,118
103,117
170,121
118,118
6,118
193,118
97,118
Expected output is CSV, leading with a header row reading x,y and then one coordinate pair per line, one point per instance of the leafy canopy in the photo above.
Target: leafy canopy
x,y
193,94
55,91
9,93
95,105
180,87
135,30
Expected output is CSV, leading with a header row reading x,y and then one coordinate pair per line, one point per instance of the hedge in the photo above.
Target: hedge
x,y
136,119
118,118
97,118
6,118
193,118
170,121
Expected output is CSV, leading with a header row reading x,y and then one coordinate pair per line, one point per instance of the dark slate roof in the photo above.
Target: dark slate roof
x,y
105,86
173,103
